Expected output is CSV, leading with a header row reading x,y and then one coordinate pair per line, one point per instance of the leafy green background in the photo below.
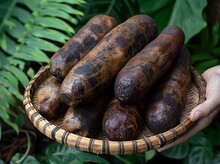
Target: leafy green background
x,y
30,33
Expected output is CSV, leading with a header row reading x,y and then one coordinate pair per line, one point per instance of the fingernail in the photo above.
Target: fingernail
x,y
197,115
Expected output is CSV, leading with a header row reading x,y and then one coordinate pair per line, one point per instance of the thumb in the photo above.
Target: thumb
x,y
203,109
212,97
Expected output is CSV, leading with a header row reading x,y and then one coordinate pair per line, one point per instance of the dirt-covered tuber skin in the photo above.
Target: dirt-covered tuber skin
x,y
168,100
139,74
80,45
86,119
98,69
115,79
122,122
48,98
83,120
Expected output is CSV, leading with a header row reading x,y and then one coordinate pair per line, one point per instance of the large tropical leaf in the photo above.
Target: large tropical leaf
x,y
186,14
28,31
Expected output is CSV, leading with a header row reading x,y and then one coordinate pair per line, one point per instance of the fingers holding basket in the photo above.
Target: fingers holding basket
x,y
200,125
212,77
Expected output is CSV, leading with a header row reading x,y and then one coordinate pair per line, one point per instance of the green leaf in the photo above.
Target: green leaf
x,y
3,42
11,78
8,121
63,158
55,147
216,159
21,14
199,57
8,24
162,17
62,7
1,161
63,154
31,72
6,8
201,149
198,139
213,134
17,62
123,159
19,74
10,88
54,23
4,95
112,3
129,6
200,154
215,35
133,158
5,5
78,2
3,59
34,5
160,11
188,15
196,47
6,100
4,104
19,31
216,51
28,160
120,10
177,152
30,53
58,13
4,110
88,157
205,38
150,6
201,67
49,34
42,44
149,154
7,44
20,120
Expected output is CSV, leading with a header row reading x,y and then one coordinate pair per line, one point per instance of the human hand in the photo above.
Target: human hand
x,y
205,112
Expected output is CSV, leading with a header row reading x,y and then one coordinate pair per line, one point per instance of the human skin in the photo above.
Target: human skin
x,y
204,113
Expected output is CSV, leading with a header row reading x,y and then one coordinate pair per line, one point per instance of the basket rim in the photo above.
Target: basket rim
x,y
104,146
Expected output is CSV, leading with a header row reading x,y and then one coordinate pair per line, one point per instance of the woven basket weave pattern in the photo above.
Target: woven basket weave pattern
x,y
100,145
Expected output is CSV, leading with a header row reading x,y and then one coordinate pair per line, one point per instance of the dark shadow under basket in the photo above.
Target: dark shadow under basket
x,y
100,145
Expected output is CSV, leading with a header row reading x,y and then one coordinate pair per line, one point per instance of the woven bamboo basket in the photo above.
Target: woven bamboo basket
x,y
101,145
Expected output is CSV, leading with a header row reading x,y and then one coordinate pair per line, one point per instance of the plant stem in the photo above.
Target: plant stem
x,y
28,148
110,7
129,7
7,15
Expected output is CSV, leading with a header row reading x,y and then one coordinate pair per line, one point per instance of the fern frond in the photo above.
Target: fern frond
x,y
49,34
42,44
3,59
55,23
7,44
28,30
58,13
29,53
61,7
19,13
